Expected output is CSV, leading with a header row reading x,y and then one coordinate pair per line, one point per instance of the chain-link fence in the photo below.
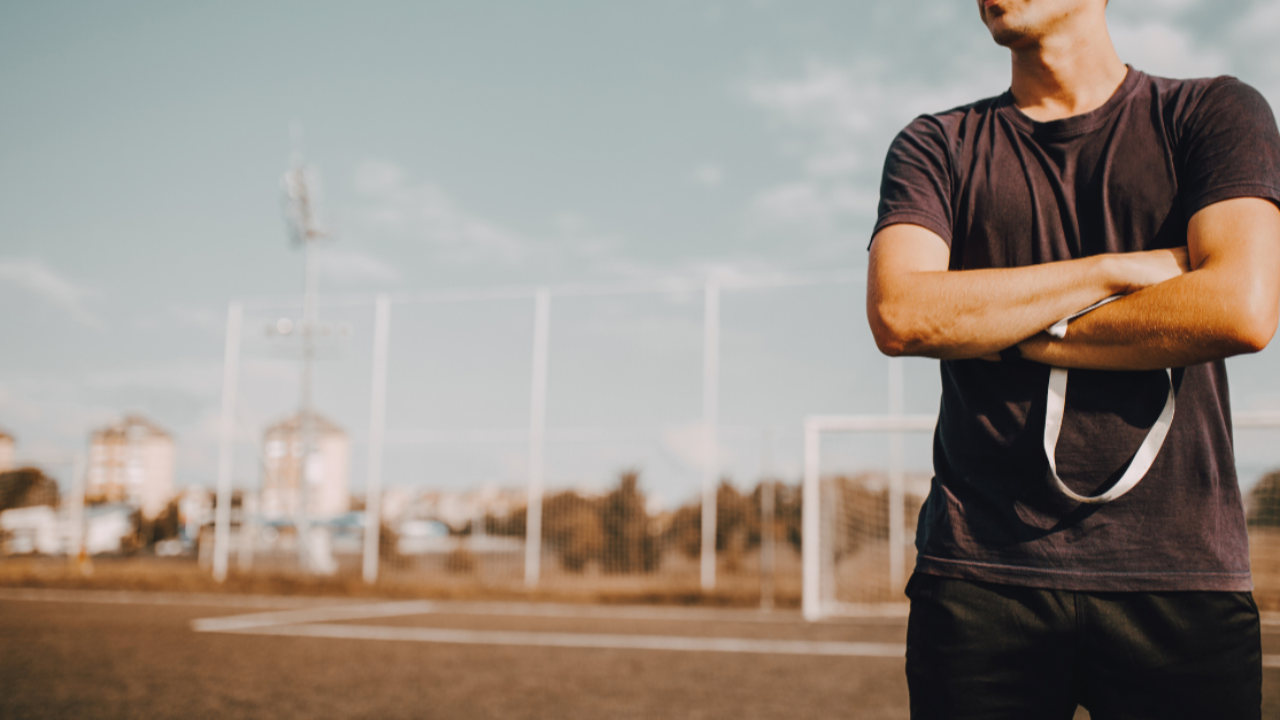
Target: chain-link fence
x,y
636,423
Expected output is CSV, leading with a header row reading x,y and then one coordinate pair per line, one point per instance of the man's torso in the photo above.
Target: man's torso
x,y
1008,192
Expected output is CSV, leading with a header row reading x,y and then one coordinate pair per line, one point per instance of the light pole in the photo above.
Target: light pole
x,y
304,230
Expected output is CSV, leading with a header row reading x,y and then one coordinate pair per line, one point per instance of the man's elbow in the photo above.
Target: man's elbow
x,y
1256,334
890,345
1255,323
893,333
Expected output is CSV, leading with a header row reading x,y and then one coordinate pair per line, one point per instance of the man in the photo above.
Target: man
x,y
1087,179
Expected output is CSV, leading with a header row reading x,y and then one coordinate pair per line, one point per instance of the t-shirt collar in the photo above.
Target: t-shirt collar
x,y
1076,124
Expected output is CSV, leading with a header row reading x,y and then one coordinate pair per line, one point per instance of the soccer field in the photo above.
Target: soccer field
x,y
105,654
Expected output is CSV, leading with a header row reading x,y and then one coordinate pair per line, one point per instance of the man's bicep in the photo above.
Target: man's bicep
x,y
898,254
902,249
1237,242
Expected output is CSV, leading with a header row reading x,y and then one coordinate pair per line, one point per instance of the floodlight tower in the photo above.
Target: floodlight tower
x,y
304,230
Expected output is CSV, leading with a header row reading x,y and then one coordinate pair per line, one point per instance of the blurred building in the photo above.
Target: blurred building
x,y
325,473
457,509
195,510
131,461
6,451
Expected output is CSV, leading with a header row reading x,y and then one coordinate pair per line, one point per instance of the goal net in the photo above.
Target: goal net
x,y
859,528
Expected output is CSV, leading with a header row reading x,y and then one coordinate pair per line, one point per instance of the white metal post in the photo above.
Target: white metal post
x,y
248,531
377,422
537,437
75,539
897,525
710,421
811,526
226,439
768,556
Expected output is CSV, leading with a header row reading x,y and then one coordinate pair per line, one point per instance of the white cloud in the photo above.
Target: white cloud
x,y
425,211
576,236
1261,21
201,378
354,267
707,175
1254,48
196,316
1165,49
842,118
814,206
44,282
1146,7
688,444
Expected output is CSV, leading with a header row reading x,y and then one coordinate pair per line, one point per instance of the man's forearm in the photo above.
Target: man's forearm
x,y
917,307
1185,321
1228,305
978,312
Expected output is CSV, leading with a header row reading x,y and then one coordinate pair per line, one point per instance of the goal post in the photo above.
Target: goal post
x,y
819,585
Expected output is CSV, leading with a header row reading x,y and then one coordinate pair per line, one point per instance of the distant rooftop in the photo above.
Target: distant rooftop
x,y
130,426
292,425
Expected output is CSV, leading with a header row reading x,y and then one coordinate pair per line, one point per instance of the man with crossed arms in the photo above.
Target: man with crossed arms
x,y
1088,179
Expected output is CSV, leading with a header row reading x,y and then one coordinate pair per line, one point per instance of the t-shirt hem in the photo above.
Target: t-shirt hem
x,y
929,222
1081,581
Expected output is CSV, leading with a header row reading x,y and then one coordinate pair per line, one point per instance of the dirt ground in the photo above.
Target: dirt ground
x,y
101,660
125,655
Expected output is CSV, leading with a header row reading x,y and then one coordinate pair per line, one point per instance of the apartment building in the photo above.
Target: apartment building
x,y
132,461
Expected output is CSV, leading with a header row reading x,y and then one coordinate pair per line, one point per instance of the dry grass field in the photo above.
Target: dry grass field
x,y
183,575
1264,557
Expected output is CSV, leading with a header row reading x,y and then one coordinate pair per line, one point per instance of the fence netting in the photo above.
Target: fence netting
x,y
629,396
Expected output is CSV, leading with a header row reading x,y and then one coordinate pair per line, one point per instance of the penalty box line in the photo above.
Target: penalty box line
x,y
319,623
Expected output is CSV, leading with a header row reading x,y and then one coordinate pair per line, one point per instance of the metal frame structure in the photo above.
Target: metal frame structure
x,y
817,585
818,564
537,431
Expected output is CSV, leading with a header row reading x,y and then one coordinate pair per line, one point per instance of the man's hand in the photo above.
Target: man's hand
x,y
1228,304
1154,267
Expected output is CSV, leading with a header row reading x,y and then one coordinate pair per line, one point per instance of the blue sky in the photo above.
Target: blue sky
x,y
480,144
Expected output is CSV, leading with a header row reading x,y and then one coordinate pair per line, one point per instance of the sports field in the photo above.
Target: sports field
x,y
109,654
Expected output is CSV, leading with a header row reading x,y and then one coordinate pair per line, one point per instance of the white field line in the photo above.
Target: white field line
x,y
366,611
584,640
887,615
561,610
670,643
129,597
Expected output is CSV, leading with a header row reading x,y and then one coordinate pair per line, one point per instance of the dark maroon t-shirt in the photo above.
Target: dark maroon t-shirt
x,y
1005,191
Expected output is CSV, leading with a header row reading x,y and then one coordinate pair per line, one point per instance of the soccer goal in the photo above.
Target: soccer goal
x,y
856,535
858,530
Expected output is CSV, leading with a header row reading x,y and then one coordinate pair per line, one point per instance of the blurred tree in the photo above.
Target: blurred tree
x,y
1264,501
628,545
165,526
510,525
27,487
684,533
571,526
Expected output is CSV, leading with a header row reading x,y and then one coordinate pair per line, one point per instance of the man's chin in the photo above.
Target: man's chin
x,y
1006,36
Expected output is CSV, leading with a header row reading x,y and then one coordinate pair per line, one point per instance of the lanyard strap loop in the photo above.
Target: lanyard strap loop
x,y
1142,459
1056,406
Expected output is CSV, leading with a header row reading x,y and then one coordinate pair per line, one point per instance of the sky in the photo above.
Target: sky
x,y
484,144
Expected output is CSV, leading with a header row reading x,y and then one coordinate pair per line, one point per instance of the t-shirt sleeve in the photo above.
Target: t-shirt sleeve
x,y
916,185
1230,147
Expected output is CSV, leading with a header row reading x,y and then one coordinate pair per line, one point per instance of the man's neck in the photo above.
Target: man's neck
x,y
1066,74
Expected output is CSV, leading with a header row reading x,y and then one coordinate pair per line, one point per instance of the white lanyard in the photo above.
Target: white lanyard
x,y
1057,405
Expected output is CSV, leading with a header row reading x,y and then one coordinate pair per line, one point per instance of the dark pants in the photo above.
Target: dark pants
x,y
979,650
